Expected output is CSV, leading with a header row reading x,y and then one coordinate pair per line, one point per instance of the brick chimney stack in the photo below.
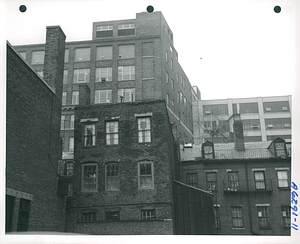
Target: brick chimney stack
x,y
84,94
54,59
239,144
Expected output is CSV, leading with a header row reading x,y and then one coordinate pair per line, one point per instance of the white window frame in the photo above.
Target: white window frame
x,y
128,95
103,74
75,97
71,144
284,180
81,76
107,93
112,132
112,177
148,214
64,98
131,71
239,216
144,134
140,164
86,136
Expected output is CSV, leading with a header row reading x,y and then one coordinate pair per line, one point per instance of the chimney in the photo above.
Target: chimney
x,y
84,94
238,135
54,59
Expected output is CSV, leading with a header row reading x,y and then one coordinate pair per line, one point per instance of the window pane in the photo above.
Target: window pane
x,y
89,178
82,54
104,53
37,57
126,51
89,135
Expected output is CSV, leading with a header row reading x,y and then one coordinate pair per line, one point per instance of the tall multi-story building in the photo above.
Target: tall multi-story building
x,y
264,118
251,183
126,60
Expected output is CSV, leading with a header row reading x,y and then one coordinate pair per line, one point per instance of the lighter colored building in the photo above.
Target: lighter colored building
x,y
263,118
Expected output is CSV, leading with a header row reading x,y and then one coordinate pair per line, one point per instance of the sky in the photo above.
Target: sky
x,y
228,49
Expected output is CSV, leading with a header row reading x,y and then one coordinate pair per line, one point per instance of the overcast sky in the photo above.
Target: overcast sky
x,y
229,49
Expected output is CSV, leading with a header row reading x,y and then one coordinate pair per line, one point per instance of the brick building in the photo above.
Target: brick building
x,y
125,164
33,139
250,182
264,118
126,60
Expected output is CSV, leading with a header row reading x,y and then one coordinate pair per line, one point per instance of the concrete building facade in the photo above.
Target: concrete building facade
x,y
264,118
33,111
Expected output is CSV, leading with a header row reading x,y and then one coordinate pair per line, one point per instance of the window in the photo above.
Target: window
x,y
69,168
178,99
126,29
211,181
259,178
89,177
23,55
171,63
215,109
166,56
148,214
217,217
144,130
66,55
23,215
37,57
75,97
181,97
126,51
263,217
112,177
208,150
104,31
82,54
172,84
65,78
126,72
192,179
167,77
89,135
181,80
62,122
233,180
72,121
112,133
286,216
103,96
9,212
280,149
168,100
71,144
177,77
237,218
145,175
126,95
112,216
103,53
104,74
64,98
282,176
88,217
276,107
246,108
81,75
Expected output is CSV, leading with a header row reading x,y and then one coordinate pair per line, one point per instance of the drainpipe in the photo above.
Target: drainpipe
x,y
248,198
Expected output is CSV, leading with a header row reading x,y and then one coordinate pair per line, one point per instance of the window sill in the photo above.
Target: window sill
x,y
284,188
126,80
80,82
237,228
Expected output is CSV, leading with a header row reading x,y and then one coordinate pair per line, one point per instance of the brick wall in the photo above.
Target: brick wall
x,y
129,200
32,153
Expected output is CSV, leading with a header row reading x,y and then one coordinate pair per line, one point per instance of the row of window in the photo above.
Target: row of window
x,y
90,176
234,181
91,216
103,96
107,30
84,54
245,108
262,217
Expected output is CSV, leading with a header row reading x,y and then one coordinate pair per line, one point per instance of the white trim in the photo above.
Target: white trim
x,y
282,169
19,194
217,205
228,170
89,120
262,205
262,169
143,115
